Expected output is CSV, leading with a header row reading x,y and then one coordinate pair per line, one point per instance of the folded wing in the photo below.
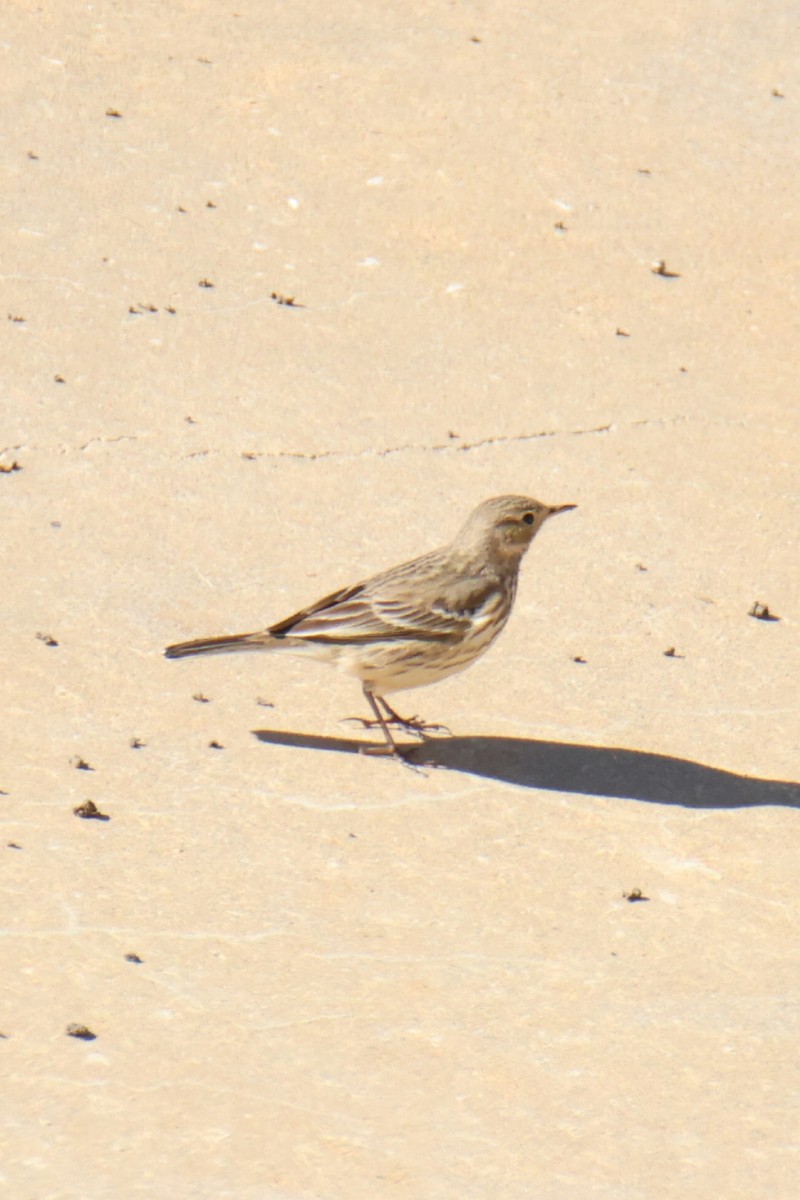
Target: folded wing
x,y
392,609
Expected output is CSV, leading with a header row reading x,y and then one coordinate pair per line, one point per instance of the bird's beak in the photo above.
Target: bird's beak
x,y
557,508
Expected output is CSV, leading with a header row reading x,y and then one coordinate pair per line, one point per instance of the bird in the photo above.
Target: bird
x,y
416,623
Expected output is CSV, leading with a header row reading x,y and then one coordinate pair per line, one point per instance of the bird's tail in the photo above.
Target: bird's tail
x,y
219,645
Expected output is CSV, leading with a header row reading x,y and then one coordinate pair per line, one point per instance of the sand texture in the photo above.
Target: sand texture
x,y
289,288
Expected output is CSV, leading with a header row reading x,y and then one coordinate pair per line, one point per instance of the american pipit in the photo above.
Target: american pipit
x,y
414,624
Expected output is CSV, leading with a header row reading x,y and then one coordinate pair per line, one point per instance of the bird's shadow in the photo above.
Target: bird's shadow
x,y
566,767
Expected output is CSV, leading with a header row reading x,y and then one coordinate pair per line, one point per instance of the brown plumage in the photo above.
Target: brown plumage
x,y
414,624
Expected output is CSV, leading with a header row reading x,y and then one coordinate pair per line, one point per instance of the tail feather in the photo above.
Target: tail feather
x,y
219,645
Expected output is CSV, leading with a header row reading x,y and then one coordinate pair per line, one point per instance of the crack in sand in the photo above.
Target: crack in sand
x,y
453,446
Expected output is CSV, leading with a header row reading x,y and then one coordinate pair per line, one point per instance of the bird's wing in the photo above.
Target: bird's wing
x,y
392,608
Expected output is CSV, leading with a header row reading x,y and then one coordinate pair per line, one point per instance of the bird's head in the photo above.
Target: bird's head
x,y
505,526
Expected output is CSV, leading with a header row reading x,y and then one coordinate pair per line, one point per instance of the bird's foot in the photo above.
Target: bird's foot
x,y
413,725
418,726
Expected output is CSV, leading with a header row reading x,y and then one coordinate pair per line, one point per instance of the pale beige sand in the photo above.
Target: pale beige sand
x,y
358,981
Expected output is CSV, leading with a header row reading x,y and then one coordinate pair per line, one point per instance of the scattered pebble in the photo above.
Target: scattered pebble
x,y
761,612
80,1031
663,270
90,812
286,301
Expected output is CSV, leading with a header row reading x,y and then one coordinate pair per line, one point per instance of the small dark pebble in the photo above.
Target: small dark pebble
x,y
761,612
216,746
47,639
286,301
136,743
264,703
578,659
80,1031
90,812
673,653
200,698
634,896
663,270
13,845
80,764
134,958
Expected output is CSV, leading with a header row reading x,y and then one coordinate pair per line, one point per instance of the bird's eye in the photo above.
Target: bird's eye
x,y
528,518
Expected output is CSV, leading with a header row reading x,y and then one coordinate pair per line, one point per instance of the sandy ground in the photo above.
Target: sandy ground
x,y
353,980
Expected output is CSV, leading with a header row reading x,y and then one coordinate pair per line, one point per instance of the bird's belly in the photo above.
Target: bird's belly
x,y
394,666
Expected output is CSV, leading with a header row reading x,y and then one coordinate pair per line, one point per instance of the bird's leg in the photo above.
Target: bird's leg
x,y
391,746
